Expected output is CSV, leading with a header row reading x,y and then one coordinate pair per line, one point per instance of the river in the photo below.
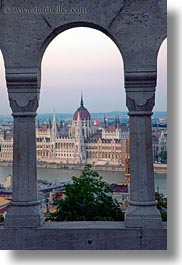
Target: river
x,y
66,174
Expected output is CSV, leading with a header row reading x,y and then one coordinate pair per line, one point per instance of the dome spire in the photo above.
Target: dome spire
x,y
81,102
84,114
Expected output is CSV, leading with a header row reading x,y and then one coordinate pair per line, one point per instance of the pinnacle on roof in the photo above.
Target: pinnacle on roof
x,y
83,112
81,102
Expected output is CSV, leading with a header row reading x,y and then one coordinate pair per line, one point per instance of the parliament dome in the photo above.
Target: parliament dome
x,y
82,112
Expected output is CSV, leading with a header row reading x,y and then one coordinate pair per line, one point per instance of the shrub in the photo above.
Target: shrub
x,y
1,218
87,199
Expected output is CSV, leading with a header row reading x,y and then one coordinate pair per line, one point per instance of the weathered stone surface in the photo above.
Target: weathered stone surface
x,y
154,238
25,209
83,235
26,28
137,27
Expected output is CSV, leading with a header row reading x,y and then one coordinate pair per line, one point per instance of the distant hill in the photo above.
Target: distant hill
x,y
7,118
97,115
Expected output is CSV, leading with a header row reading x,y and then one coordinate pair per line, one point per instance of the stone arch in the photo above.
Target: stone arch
x,y
3,85
2,64
138,28
56,32
68,26
162,41
2,55
106,34
162,73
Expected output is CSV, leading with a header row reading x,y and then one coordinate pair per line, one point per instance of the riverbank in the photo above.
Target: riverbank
x,y
158,168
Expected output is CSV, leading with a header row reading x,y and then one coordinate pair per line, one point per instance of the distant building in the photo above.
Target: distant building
x,y
4,205
82,142
6,153
159,139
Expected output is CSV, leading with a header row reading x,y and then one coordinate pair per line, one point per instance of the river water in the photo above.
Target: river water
x,y
66,174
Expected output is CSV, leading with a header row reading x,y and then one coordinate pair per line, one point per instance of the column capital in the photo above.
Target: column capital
x,y
140,113
140,92
24,114
23,77
140,81
23,89
24,104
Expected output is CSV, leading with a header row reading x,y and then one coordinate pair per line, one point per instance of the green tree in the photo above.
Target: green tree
x,y
162,205
163,156
87,199
1,218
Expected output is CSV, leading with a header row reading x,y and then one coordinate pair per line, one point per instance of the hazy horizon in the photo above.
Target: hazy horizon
x,y
91,113
84,60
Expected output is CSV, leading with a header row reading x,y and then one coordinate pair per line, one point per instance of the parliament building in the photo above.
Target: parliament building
x,y
78,143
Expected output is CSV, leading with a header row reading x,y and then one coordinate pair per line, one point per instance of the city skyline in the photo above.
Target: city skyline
x,y
89,62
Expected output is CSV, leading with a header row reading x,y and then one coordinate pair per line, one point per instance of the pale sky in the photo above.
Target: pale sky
x,y
84,60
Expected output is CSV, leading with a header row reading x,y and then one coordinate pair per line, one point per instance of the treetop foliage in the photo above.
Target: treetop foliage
x,y
87,199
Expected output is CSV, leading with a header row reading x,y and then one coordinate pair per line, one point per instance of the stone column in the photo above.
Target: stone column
x,y
142,210
25,209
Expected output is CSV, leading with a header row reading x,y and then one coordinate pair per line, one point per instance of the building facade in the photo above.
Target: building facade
x,y
138,28
79,143
159,139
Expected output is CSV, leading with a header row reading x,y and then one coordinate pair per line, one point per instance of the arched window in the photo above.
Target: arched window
x,y
6,123
4,102
161,90
82,60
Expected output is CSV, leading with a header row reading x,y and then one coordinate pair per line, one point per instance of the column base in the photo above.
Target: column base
x,y
26,214
144,214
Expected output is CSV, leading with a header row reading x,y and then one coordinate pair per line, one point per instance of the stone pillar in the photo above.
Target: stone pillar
x,y
142,210
25,209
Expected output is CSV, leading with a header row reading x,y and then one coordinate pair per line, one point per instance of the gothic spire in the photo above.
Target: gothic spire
x,y
78,132
54,127
50,123
105,122
38,123
81,102
116,122
54,118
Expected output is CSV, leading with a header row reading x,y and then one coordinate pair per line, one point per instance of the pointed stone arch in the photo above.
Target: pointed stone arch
x,y
3,86
161,88
138,28
68,26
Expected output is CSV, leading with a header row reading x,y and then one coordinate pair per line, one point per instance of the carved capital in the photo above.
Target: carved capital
x,y
23,90
22,78
140,81
140,91
24,102
140,101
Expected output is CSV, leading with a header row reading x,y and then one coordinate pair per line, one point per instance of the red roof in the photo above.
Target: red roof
x,y
83,112
44,128
156,134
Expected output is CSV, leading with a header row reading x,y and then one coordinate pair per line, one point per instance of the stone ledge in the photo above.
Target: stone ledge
x,y
83,236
